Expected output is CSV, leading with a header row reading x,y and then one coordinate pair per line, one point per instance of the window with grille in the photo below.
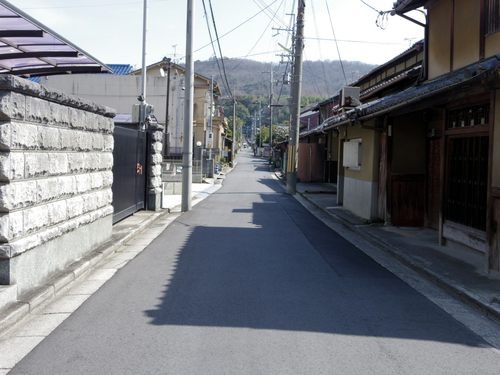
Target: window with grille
x,y
492,13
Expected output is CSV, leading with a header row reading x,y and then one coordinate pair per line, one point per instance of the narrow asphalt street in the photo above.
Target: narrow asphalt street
x,y
250,282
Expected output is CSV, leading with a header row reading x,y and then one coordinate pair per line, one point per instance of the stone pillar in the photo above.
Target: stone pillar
x,y
155,172
56,156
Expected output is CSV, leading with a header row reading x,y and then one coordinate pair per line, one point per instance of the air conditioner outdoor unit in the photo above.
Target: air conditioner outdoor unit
x,y
347,94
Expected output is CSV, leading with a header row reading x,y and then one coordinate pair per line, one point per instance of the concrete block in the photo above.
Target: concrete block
x,y
20,246
77,118
155,182
36,164
156,148
58,163
57,212
12,105
109,143
75,207
17,163
11,166
49,138
76,162
37,110
155,170
98,142
90,202
83,183
5,136
59,115
92,162
67,186
68,139
23,136
17,195
156,159
107,179
49,234
157,136
106,161
35,218
11,226
91,122
96,180
83,141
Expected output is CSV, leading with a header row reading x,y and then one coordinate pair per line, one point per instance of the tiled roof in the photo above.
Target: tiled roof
x,y
441,85
118,70
121,69
403,6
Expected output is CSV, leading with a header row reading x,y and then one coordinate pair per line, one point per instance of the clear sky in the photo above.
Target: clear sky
x,y
111,30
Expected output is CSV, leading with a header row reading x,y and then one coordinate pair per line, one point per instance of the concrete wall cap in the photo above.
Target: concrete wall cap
x,y
24,86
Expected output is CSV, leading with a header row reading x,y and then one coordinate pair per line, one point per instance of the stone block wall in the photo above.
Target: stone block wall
x,y
56,156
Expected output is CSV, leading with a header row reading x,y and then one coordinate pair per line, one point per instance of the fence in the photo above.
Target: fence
x,y
172,171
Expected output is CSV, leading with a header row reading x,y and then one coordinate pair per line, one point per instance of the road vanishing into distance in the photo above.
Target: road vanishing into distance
x,y
250,282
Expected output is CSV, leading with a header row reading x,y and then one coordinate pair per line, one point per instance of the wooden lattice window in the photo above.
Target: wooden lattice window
x,y
492,14
469,116
467,181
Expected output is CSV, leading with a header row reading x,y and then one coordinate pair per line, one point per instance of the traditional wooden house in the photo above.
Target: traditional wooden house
x,y
429,155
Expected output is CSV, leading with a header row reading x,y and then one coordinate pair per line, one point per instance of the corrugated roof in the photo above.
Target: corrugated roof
x,y
28,48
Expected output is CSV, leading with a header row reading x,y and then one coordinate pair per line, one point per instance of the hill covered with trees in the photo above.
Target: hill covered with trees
x,y
321,79
250,81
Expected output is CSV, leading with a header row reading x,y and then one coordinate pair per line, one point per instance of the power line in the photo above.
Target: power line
x,y
241,24
93,5
334,37
220,51
255,45
368,5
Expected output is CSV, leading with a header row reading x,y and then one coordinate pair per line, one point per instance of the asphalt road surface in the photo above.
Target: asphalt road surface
x,y
250,282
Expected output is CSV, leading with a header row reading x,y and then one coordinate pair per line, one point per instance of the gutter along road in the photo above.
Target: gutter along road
x,y
250,282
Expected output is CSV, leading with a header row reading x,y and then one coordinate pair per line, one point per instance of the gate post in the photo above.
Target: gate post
x,y
155,158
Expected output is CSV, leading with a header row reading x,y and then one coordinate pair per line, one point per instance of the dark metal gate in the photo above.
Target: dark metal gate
x,y
129,172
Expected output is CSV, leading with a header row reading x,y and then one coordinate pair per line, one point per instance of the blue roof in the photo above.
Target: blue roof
x,y
118,69
121,69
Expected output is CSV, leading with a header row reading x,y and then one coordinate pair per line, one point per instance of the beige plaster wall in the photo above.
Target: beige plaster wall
x,y
439,38
370,151
467,32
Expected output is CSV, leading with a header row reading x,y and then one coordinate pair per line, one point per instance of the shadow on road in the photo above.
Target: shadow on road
x,y
287,271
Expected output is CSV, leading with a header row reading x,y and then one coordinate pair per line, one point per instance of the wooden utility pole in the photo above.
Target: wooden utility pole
x,y
293,145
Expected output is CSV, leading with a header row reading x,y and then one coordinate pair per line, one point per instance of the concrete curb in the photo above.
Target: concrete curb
x,y
450,286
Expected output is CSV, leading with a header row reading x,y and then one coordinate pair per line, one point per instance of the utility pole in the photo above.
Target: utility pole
x,y
187,142
234,125
142,98
210,133
293,149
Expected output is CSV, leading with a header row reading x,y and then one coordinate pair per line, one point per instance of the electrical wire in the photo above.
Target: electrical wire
x,y
220,51
241,24
334,37
326,77
255,45
368,5
211,39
